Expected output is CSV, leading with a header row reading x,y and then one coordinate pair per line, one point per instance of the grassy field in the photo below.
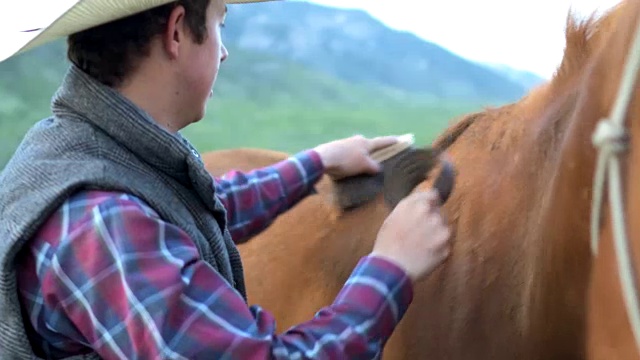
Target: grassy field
x,y
294,127
284,127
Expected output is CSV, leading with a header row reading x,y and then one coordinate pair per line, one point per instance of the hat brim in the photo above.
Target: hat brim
x,y
84,14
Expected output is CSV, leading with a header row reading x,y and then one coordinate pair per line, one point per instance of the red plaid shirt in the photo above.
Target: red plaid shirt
x,y
105,272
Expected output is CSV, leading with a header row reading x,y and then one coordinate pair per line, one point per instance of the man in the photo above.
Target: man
x,y
116,243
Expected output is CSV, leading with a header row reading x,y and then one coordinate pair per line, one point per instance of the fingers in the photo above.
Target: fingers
x,y
381,142
432,198
444,156
373,167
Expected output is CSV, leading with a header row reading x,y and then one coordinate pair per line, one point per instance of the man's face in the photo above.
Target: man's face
x,y
201,62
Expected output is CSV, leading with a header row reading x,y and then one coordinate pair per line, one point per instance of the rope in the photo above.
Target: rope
x,y
611,139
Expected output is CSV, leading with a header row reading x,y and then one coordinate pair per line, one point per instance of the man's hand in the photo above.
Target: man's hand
x,y
415,236
352,156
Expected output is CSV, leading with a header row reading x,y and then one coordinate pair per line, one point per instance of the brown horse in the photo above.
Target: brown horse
x,y
516,283
610,334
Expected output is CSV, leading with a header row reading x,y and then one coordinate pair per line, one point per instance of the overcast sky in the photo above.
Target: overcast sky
x,y
527,35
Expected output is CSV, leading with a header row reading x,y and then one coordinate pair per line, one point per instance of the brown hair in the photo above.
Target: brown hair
x,y
111,51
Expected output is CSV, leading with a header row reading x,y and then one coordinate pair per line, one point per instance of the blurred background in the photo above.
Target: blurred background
x,y
305,72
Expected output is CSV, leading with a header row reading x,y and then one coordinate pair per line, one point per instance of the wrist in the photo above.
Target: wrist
x,y
316,159
393,263
324,157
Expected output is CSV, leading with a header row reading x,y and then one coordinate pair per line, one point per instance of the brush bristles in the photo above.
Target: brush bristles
x,y
404,142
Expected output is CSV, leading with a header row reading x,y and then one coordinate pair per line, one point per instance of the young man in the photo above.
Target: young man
x,y
116,243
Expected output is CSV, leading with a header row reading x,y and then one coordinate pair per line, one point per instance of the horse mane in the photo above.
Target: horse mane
x,y
583,39
446,139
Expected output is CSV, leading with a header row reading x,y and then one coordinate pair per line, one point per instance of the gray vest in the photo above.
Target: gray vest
x,y
97,139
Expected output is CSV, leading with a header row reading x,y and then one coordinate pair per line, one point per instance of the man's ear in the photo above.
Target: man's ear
x,y
174,34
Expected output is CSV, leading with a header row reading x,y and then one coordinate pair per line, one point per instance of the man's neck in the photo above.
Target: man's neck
x,y
152,94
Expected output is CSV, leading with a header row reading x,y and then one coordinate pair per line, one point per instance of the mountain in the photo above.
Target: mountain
x,y
353,46
298,74
523,77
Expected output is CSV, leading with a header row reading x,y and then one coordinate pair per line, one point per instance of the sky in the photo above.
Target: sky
x,y
526,35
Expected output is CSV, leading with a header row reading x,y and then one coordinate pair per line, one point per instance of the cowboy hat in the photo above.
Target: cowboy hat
x,y
80,15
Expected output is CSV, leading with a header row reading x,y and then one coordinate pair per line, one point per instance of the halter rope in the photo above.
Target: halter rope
x,y
610,138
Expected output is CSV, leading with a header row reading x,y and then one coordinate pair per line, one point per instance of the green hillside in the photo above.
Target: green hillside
x,y
260,100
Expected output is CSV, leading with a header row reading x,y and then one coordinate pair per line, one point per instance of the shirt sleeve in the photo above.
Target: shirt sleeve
x,y
254,199
129,285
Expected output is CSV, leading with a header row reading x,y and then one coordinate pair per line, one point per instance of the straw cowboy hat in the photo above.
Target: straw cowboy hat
x,y
80,15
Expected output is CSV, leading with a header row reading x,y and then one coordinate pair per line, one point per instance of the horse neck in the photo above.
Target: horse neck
x,y
564,271
526,169
609,331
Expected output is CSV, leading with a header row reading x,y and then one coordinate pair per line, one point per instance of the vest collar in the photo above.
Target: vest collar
x,y
83,98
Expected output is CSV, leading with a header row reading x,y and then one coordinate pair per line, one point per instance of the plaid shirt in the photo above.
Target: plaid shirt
x,y
106,273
